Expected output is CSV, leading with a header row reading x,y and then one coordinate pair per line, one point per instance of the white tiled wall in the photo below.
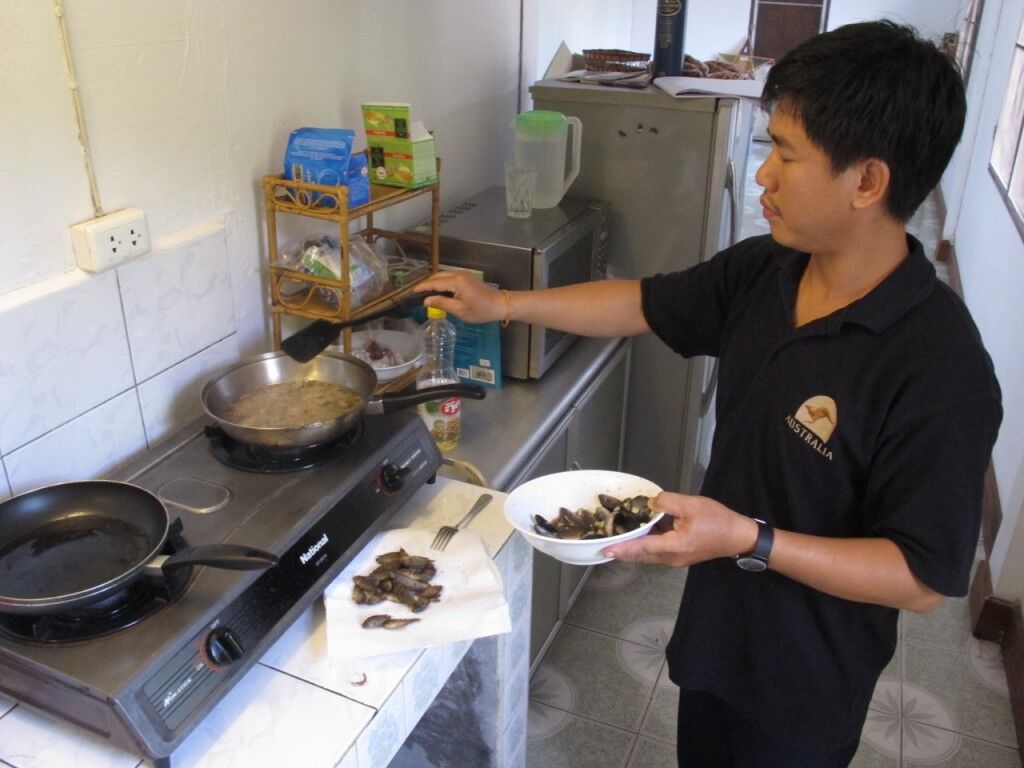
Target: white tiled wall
x,y
176,303
98,369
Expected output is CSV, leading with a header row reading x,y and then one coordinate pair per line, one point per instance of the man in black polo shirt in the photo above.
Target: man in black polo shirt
x,y
856,408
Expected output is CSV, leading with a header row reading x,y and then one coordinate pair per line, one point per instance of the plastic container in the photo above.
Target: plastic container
x,y
669,38
442,417
541,140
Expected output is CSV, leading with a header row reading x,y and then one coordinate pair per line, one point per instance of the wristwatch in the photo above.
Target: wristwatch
x,y
757,560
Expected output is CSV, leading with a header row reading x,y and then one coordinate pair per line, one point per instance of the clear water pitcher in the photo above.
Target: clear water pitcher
x,y
541,140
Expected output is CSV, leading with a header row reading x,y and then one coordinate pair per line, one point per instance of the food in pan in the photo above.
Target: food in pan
x,y
401,578
293,405
612,517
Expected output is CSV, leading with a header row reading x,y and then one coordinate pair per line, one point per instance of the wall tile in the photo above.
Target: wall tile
x,y
272,719
64,353
171,399
30,738
303,652
350,760
176,302
81,449
381,739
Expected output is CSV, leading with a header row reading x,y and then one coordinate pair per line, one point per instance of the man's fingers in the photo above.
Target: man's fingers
x,y
645,545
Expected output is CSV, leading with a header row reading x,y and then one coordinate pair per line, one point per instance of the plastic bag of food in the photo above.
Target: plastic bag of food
x,y
368,276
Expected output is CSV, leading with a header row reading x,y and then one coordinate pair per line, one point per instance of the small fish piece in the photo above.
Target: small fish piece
x,y
417,562
398,623
366,597
410,582
400,594
359,679
424,575
392,558
432,593
366,584
377,620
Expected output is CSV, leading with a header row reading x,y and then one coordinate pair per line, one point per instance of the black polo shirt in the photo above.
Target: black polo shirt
x,y
877,420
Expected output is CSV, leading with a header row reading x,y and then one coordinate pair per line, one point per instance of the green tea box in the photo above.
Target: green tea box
x,y
401,149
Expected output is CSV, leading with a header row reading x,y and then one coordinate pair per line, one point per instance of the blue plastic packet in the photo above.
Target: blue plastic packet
x,y
319,156
358,179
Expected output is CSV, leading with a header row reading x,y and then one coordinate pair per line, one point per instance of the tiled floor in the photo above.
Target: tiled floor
x,y
601,697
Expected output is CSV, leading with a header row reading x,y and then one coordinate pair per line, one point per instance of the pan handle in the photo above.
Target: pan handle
x,y
396,401
232,556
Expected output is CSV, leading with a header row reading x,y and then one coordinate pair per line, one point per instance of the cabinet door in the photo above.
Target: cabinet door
x,y
595,442
546,571
596,429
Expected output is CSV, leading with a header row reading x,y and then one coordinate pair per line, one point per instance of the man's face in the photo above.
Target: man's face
x,y
806,204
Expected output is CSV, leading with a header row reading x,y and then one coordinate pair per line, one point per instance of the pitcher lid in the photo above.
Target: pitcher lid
x,y
540,121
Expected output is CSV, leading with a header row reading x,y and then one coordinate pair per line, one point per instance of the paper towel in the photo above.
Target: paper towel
x,y
472,602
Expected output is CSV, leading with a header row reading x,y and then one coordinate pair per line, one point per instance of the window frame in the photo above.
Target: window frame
x,y
1011,188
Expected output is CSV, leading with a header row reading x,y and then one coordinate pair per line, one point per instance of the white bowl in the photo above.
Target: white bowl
x,y
406,347
545,495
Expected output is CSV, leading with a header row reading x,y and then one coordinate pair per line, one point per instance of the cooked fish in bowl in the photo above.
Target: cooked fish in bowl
x,y
572,516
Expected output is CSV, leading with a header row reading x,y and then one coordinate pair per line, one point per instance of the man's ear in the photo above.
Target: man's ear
x,y
874,183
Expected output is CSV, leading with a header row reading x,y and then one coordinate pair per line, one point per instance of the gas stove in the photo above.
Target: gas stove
x,y
145,684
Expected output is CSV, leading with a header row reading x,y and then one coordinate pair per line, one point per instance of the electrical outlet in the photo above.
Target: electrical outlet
x,y
109,240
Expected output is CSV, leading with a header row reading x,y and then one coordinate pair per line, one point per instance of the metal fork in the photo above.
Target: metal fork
x,y
444,535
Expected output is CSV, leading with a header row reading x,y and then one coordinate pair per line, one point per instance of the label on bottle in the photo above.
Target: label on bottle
x,y
444,421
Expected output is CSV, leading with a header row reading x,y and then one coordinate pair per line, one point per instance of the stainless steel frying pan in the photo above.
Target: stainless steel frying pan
x,y
269,368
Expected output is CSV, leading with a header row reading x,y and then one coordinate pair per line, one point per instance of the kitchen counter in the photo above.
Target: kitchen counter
x,y
298,706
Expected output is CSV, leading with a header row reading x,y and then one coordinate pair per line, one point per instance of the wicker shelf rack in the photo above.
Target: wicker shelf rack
x,y
299,294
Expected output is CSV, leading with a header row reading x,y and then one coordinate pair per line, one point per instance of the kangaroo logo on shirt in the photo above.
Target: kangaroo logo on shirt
x,y
815,421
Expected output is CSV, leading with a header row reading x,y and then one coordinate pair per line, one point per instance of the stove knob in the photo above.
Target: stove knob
x,y
223,647
392,478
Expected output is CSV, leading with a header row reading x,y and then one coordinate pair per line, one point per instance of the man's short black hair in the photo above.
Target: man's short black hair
x,y
875,89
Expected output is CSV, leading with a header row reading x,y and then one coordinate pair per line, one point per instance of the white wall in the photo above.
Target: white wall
x,y
187,106
990,255
579,23
930,17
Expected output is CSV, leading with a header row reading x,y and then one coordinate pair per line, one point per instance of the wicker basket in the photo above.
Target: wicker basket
x,y
614,60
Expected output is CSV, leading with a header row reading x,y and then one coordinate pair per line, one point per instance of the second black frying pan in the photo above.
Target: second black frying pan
x,y
63,547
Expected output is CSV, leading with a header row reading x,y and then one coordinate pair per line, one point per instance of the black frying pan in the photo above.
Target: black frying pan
x,y
66,546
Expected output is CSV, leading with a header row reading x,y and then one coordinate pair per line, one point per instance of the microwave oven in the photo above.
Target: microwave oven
x,y
555,246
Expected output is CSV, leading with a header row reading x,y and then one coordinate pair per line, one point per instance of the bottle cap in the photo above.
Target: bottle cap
x,y
436,313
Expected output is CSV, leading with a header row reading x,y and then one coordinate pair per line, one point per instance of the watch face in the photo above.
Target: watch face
x,y
751,563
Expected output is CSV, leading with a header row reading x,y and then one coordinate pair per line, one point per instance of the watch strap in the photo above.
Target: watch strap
x,y
757,559
765,539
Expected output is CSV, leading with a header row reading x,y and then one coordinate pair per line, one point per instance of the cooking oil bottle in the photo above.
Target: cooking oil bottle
x,y
443,417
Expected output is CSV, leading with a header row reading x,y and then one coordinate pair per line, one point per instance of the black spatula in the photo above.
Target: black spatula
x,y
306,344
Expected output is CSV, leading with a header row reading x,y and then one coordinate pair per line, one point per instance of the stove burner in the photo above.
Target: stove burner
x,y
139,600
252,458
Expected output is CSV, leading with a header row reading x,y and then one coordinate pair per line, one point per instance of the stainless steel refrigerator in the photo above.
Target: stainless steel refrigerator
x,y
672,170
